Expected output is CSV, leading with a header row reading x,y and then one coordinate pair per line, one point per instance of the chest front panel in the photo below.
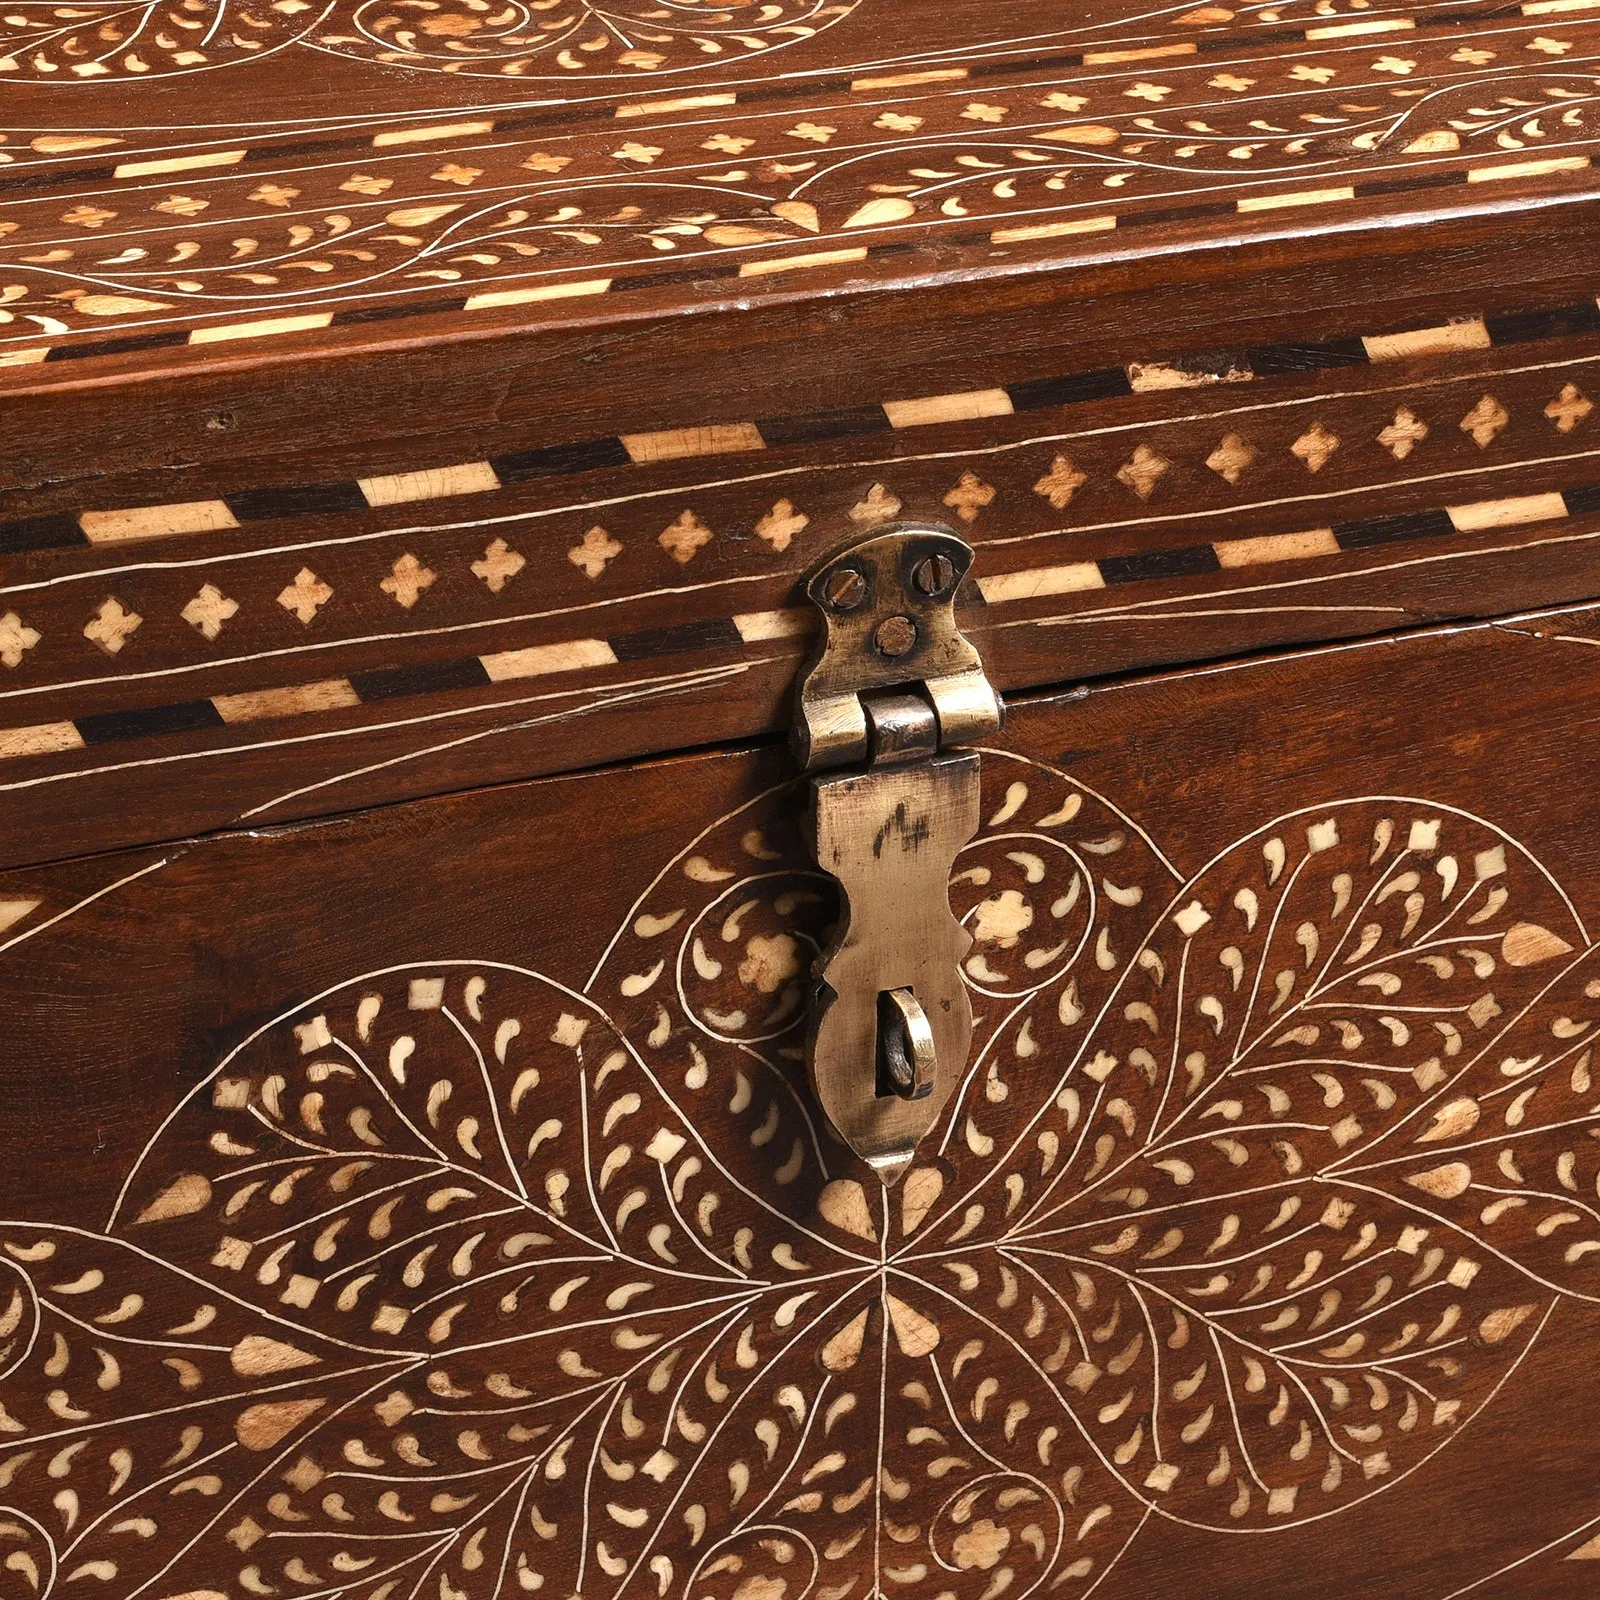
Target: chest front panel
x,y
430,1202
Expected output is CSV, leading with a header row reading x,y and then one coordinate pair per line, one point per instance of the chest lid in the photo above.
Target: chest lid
x,y
577,220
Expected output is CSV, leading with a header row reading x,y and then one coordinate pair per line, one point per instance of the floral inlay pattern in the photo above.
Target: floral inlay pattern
x,y
109,38
457,1281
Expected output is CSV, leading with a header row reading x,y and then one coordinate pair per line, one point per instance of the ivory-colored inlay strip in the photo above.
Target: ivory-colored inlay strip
x,y
1527,169
677,444
818,258
1506,513
329,694
1467,334
433,483
948,408
261,330
536,660
40,740
689,102
155,522
1052,230
1303,197
1038,582
544,291
1105,58
906,80
1276,547
755,626
444,130
146,169
1348,30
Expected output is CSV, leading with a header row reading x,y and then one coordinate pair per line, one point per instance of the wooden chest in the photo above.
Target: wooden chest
x,y
483,1112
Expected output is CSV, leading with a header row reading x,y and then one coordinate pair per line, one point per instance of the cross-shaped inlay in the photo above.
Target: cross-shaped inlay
x,y
112,625
209,610
1142,471
1060,483
407,579
15,638
1404,434
306,596
970,496
881,504
1485,420
781,524
683,540
1569,408
597,551
1315,446
1232,457
499,566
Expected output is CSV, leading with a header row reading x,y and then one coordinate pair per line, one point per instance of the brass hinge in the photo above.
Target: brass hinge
x,y
893,692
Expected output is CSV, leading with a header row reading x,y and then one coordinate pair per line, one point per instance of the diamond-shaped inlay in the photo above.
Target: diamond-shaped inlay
x,y
500,564
1484,421
881,504
1061,482
306,596
597,551
407,579
1569,408
1232,457
1142,471
112,625
209,610
1404,434
16,637
685,538
970,496
1315,446
781,524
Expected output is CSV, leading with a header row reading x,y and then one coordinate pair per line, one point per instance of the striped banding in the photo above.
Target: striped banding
x,y
712,273
575,655
594,455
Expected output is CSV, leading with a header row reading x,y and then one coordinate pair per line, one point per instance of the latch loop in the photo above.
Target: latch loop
x,y
894,686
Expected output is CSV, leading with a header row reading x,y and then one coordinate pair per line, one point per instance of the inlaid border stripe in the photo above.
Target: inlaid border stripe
x,y
594,455
646,644
713,273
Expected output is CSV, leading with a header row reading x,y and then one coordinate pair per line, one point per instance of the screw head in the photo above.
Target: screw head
x,y
845,589
895,636
934,574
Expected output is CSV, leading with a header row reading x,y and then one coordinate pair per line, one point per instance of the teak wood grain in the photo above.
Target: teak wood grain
x,y
417,418
427,1201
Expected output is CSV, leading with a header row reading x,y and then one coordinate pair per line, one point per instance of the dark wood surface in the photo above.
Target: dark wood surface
x,y
205,1042
504,613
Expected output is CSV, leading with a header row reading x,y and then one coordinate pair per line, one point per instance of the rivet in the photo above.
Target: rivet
x,y
895,636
